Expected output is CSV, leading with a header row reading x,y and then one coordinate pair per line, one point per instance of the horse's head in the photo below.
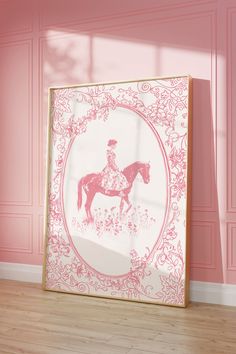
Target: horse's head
x,y
136,168
144,171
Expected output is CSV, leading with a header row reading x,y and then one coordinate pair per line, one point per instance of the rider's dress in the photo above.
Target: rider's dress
x,y
112,178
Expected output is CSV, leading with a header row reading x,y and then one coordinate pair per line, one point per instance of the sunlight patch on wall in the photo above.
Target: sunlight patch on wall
x,y
66,58
71,58
182,62
120,60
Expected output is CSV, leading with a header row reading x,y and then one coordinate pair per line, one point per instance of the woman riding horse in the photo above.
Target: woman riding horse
x,y
111,181
112,178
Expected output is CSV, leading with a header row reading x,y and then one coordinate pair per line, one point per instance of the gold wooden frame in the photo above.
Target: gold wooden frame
x,y
189,187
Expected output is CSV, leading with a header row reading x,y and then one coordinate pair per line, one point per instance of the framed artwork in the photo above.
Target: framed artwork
x,y
118,190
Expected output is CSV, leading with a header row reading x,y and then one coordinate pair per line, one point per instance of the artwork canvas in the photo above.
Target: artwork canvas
x,y
118,190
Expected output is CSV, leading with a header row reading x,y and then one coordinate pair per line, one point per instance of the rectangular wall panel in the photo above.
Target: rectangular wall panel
x,y
15,17
231,132
231,246
202,245
16,233
40,234
15,123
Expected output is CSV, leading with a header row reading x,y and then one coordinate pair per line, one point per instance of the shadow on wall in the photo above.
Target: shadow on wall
x,y
206,252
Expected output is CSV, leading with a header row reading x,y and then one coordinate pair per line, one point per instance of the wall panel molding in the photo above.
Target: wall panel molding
x,y
212,206
28,201
18,30
13,222
127,14
205,231
231,188
231,246
41,234
42,126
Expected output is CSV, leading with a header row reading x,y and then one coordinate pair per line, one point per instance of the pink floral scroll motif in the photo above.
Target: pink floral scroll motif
x,y
165,112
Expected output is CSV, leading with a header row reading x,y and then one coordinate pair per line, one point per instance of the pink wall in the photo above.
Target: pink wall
x,y
56,42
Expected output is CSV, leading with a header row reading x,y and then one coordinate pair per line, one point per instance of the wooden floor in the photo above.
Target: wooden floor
x,y
36,322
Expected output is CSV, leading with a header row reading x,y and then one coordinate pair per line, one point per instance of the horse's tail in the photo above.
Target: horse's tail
x,y
80,185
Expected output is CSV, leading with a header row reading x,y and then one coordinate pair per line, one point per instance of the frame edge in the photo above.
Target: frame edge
x,y
189,188
47,174
189,191
118,82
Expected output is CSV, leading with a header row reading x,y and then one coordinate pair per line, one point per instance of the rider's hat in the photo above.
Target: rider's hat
x,y
111,142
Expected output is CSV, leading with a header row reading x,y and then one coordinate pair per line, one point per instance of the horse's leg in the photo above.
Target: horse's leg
x,y
90,196
121,205
86,205
126,198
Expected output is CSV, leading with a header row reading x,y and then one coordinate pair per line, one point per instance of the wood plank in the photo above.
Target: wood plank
x,y
19,347
38,322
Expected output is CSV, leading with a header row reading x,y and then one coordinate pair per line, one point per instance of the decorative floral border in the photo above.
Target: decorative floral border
x,y
167,115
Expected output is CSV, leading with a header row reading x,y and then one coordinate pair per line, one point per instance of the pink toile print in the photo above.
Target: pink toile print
x,y
117,208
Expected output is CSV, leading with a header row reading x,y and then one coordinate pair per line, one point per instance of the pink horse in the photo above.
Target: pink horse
x,y
91,184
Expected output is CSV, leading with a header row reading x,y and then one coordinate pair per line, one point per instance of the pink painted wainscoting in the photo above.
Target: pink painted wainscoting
x,y
56,42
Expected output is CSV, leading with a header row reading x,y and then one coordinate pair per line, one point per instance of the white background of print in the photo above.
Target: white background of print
x,y
110,254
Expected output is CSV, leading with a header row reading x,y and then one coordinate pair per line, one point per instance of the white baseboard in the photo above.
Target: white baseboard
x,y
21,272
212,293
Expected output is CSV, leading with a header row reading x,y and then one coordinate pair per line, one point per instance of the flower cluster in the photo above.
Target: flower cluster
x,y
110,221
